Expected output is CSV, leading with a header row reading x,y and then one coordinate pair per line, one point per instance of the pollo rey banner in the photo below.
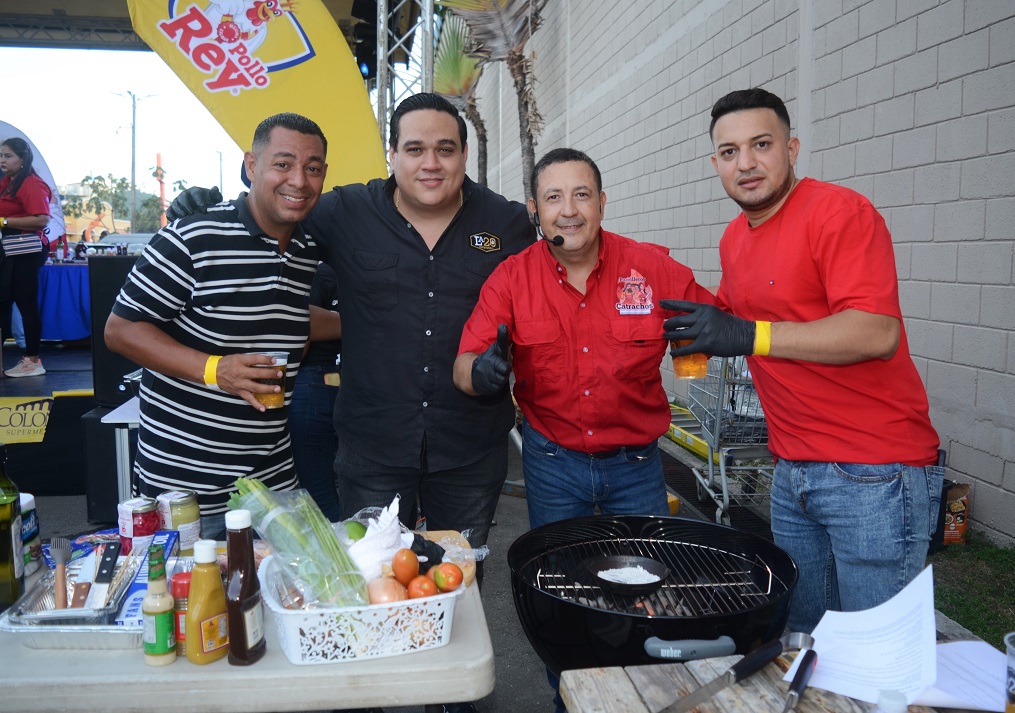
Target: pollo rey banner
x,y
248,59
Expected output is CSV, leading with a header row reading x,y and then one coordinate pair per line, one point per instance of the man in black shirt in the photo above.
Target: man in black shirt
x,y
411,253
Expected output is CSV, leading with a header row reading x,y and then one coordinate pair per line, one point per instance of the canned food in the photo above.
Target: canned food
x,y
138,520
179,511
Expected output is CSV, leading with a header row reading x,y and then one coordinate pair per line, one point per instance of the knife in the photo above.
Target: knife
x,y
83,583
104,574
748,665
808,662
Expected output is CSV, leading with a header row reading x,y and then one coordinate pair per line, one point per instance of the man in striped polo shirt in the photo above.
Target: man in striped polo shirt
x,y
208,293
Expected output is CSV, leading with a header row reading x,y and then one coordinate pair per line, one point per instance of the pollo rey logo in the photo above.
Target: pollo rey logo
x,y
239,42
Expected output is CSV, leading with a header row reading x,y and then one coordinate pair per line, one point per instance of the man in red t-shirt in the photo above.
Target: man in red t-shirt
x,y
809,272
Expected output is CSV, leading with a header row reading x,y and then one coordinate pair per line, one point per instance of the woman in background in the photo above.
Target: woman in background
x,y
24,208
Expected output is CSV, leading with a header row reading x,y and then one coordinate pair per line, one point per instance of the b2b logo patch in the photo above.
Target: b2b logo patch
x,y
485,242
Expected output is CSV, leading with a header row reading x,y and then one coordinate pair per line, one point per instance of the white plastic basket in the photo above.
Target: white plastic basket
x,y
359,633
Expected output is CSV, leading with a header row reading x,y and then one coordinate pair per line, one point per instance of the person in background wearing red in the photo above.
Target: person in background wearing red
x,y
24,208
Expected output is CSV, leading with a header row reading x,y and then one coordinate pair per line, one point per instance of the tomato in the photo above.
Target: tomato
x,y
431,572
448,576
405,565
422,586
386,589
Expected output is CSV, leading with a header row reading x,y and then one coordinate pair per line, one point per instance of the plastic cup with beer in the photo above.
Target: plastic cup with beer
x,y
274,400
1009,679
692,366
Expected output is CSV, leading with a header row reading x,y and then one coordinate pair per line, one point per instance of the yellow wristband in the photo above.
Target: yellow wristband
x,y
211,371
762,338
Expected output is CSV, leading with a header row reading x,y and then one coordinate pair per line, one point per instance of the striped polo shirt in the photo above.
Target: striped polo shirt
x,y
217,283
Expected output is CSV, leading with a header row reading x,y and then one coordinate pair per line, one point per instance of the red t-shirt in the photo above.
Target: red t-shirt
x,y
825,251
32,199
586,366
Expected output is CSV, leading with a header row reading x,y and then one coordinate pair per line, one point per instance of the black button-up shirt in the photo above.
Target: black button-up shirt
x,y
403,308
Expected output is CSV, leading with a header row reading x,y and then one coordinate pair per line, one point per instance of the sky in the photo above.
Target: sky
x,y
75,107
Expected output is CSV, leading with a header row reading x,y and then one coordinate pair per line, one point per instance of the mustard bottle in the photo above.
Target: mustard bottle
x,y
207,623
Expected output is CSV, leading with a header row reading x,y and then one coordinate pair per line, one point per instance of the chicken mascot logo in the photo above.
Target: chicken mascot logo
x,y
239,42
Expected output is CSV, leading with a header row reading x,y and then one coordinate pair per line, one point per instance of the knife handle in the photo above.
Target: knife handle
x,y
80,595
808,662
756,660
110,553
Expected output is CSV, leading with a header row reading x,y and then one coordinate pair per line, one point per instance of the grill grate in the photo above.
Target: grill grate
x,y
703,580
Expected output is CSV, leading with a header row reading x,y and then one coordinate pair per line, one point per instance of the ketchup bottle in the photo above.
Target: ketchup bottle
x,y
243,592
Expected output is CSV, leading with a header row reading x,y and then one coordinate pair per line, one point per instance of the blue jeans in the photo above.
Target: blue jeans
x,y
313,435
858,533
561,483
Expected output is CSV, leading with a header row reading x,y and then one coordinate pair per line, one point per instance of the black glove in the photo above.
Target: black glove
x,y
491,369
193,200
434,553
711,330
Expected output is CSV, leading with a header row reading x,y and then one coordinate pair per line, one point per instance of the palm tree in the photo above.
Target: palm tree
x,y
500,29
456,75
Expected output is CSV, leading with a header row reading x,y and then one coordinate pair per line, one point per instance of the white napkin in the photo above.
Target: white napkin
x,y
384,537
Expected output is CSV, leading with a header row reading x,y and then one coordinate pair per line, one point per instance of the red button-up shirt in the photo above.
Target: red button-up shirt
x,y
586,366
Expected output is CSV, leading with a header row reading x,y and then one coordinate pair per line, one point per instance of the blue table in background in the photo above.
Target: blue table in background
x,y
64,302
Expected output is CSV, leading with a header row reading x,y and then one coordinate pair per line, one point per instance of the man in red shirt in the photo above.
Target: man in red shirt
x,y
809,272
581,309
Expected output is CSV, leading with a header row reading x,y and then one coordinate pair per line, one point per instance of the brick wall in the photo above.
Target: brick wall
x,y
910,102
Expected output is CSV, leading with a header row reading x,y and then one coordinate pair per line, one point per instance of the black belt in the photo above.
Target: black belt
x,y
615,452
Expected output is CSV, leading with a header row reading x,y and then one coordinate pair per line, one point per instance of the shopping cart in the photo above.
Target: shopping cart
x,y
739,464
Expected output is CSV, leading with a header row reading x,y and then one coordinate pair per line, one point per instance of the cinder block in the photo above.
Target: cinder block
x,y
939,24
874,155
859,57
1000,220
857,125
996,307
939,103
897,40
893,188
875,86
894,115
875,17
993,510
914,297
917,71
958,304
936,262
910,148
981,347
1002,42
1001,131
996,392
824,135
962,138
990,89
981,13
952,383
986,263
827,70
838,163
963,55
981,465
932,340
988,177
958,221
937,183
911,224
910,8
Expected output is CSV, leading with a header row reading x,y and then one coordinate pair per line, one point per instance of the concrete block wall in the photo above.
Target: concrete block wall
x,y
910,102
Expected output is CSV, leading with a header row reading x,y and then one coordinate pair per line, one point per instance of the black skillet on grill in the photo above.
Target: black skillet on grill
x,y
727,591
599,566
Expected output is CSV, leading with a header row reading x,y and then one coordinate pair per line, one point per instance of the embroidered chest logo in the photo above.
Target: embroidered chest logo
x,y
634,294
485,242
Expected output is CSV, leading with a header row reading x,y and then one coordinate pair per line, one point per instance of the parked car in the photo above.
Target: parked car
x,y
135,242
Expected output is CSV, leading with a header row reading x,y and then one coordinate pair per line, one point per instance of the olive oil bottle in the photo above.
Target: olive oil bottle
x,y
12,554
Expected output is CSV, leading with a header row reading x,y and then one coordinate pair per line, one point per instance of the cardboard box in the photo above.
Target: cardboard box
x,y
130,611
956,514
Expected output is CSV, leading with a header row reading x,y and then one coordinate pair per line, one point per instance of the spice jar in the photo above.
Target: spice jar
x,y
179,511
180,584
138,520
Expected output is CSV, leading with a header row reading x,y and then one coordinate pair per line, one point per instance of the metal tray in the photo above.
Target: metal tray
x,y
36,606
76,636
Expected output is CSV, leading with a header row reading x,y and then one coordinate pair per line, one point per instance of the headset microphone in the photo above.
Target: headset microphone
x,y
556,241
